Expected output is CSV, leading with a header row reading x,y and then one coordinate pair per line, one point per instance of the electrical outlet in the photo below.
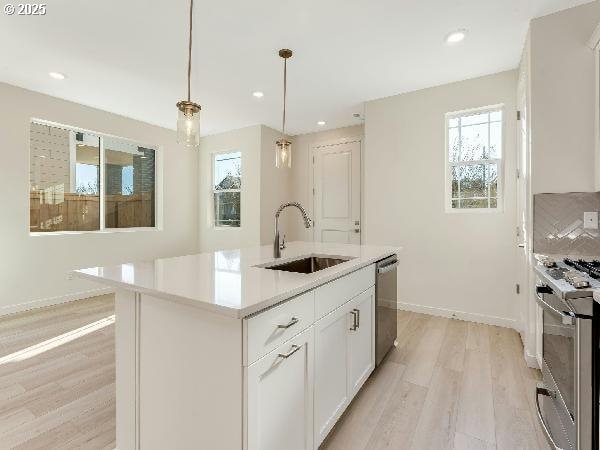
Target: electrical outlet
x,y
590,220
69,275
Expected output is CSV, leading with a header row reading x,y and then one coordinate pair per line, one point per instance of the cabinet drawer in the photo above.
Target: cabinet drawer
x,y
337,292
268,329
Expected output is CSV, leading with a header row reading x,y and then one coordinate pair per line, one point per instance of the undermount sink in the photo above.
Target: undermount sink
x,y
310,264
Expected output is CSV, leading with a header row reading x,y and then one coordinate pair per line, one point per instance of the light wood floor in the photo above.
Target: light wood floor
x,y
63,398
449,385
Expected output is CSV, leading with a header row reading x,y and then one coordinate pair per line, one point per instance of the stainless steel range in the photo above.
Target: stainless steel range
x,y
565,293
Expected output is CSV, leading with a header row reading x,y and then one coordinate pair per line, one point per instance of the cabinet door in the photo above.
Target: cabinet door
x,y
331,370
361,341
279,390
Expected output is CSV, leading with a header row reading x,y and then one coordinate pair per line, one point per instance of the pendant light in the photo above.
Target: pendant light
x,y
188,121
283,147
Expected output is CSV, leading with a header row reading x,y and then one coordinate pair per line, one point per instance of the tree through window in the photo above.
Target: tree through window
x,y
227,189
474,159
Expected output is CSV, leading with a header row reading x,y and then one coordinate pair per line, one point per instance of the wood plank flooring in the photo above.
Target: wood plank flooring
x,y
449,385
64,397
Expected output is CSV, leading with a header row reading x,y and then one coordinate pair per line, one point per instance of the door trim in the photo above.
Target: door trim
x,y
313,149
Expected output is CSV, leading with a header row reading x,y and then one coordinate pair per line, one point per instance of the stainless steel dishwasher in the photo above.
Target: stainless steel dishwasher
x,y
386,297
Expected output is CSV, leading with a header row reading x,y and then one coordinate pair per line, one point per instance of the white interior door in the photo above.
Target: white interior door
x,y
337,193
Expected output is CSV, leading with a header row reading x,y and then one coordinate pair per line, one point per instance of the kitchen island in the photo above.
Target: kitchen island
x,y
223,351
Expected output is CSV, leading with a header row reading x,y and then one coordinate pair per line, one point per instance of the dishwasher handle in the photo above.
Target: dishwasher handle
x,y
388,267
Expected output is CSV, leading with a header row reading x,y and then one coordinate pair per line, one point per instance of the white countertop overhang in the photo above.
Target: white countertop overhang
x,y
228,281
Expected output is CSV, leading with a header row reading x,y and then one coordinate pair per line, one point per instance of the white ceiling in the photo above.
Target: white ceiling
x,y
129,57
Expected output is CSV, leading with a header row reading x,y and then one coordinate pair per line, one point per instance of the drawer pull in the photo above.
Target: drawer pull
x,y
292,322
357,317
541,390
294,349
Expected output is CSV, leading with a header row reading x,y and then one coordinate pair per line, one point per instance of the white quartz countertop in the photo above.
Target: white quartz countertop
x,y
228,281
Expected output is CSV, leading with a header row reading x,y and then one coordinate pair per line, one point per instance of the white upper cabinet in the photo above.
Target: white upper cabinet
x,y
280,397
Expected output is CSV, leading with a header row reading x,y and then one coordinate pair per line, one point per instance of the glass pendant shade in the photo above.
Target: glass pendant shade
x,y
188,120
188,126
283,154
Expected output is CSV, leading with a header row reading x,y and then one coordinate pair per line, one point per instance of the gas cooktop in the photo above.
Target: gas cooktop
x,y
570,278
592,268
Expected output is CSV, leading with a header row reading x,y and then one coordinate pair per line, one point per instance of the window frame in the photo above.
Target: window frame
x,y
158,192
213,191
449,165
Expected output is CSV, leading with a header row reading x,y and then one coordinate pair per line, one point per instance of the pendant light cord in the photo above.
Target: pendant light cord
x,y
284,92
190,52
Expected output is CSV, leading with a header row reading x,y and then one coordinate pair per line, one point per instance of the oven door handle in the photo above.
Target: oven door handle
x,y
541,390
566,317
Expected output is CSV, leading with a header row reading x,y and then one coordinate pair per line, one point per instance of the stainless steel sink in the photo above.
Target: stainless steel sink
x,y
309,264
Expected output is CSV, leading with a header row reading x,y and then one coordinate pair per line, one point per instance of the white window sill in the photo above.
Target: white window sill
x,y
474,210
105,231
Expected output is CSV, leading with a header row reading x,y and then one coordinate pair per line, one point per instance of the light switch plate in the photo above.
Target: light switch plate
x,y
590,220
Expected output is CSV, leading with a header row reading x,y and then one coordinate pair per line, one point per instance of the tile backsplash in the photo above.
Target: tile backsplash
x,y
558,224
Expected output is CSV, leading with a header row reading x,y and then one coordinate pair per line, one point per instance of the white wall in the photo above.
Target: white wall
x,y
461,262
562,100
248,142
33,269
302,177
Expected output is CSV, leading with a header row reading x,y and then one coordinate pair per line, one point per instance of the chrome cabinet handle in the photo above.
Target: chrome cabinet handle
x,y
294,349
355,319
541,390
354,323
292,322
388,267
566,318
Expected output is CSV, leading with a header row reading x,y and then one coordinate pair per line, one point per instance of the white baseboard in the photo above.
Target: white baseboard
x,y
470,317
530,360
50,301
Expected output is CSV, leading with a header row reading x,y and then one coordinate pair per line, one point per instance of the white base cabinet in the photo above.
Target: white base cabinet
x,y
361,342
276,380
331,370
344,359
280,397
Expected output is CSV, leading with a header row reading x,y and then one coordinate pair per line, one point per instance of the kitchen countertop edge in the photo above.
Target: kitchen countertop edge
x,y
243,312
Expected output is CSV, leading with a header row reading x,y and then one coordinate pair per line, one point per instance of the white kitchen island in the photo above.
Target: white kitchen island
x,y
215,353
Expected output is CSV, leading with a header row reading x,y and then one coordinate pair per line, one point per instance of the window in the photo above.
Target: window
x,y
474,160
227,189
82,181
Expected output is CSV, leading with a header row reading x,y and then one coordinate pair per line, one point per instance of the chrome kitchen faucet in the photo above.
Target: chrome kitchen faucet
x,y
276,244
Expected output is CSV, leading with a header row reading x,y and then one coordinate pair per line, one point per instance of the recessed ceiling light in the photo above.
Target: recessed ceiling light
x,y
456,36
321,123
57,75
258,94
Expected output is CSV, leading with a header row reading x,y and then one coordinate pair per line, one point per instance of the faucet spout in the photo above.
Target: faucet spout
x,y
307,224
